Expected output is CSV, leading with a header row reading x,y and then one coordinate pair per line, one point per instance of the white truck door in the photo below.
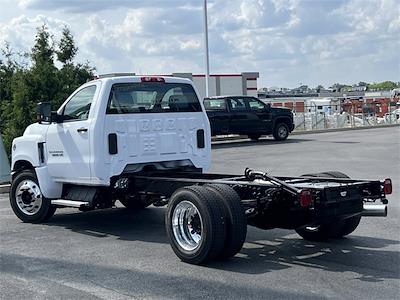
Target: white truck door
x,y
68,143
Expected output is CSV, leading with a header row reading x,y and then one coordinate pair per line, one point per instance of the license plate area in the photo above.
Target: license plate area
x,y
343,200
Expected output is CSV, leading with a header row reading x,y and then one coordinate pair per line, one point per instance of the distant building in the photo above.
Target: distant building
x,y
338,98
244,83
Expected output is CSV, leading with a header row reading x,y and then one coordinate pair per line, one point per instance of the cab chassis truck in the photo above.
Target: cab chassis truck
x,y
146,140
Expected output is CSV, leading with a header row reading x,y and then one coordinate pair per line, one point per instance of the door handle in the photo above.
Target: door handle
x,y
82,129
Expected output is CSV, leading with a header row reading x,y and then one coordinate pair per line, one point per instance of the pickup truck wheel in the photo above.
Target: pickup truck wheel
x,y
236,221
334,230
281,132
195,224
254,137
27,201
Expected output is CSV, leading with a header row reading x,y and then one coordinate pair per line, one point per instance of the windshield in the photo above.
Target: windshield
x,y
152,97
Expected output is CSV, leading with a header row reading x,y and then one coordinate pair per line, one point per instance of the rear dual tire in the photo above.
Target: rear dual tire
x,y
334,230
236,220
204,223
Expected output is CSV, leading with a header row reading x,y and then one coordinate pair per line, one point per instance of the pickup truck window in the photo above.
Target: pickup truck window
x,y
152,97
78,106
237,104
215,104
254,104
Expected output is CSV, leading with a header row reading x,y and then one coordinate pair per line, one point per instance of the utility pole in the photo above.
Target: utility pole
x,y
206,47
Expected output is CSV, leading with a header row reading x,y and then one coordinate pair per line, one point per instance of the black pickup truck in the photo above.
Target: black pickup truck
x,y
248,116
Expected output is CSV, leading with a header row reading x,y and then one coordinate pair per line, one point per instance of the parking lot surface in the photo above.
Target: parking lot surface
x,y
118,254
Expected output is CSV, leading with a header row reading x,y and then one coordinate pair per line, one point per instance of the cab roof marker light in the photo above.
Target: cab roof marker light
x,y
152,79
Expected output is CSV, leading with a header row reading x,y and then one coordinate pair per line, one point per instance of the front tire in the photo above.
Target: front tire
x,y
281,132
27,200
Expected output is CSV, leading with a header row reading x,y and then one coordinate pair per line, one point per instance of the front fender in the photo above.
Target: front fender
x,y
284,119
26,148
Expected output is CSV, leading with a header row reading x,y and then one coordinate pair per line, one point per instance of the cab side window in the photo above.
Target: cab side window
x,y
215,104
237,104
255,104
78,106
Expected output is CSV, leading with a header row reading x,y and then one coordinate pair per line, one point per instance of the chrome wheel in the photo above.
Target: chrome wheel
x,y
28,197
187,225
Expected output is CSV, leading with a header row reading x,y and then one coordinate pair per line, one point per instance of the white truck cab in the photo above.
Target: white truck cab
x,y
113,125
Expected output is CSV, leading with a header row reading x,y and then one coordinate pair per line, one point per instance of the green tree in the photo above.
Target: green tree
x,y
42,51
383,86
42,77
20,112
8,67
22,86
66,47
70,76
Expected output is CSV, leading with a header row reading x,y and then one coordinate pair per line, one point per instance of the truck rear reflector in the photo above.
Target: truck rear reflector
x,y
387,186
152,79
305,198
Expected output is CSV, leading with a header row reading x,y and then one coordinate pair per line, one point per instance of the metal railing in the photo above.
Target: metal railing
x,y
331,117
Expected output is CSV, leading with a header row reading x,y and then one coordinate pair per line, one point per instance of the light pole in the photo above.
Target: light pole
x,y
206,46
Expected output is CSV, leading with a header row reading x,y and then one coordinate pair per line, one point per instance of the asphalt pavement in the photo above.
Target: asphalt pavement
x,y
117,254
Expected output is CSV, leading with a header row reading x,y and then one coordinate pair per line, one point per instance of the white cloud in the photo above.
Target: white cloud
x,y
20,31
89,6
287,41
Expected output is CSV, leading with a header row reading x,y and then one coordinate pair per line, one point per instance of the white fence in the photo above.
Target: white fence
x,y
317,120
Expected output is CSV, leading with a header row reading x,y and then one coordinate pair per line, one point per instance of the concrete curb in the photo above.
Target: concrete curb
x,y
344,129
241,137
4,188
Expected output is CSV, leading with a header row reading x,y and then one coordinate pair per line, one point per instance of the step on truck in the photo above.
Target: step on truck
x,y
146,141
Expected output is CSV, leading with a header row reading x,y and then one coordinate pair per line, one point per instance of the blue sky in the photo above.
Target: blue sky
x,y
288,41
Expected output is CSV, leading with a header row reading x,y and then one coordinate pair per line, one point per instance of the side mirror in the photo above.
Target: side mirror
x,y
268,107
44,112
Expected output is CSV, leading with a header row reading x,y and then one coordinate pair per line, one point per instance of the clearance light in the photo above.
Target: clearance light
x,y
387,186
305,198
152,79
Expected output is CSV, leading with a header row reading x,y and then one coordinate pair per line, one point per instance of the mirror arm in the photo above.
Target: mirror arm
x,y
56,117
